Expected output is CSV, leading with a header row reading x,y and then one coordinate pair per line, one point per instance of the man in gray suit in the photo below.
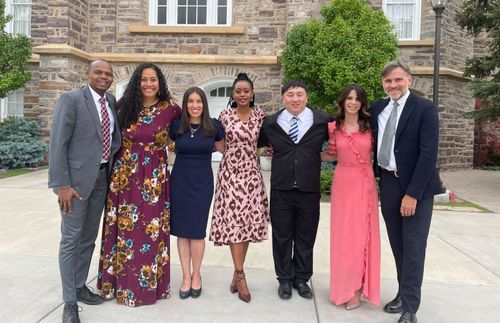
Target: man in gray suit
x,y
83,139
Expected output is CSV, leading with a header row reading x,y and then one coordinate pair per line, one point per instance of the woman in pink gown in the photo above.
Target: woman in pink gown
x,y
355,236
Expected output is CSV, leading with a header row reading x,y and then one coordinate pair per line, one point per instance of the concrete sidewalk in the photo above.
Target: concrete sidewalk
x,y
462,278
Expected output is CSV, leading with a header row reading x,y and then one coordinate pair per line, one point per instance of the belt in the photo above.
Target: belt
x,y
103,165
391,172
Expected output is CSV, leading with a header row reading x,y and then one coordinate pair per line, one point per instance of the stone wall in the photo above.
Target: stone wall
x,y
103,27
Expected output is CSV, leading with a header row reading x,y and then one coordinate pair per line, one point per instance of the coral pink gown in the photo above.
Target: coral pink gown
x,y
355,234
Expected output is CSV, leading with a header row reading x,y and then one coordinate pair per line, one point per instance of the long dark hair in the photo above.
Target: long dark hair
x,y
131,104
241,77
363,114
207,126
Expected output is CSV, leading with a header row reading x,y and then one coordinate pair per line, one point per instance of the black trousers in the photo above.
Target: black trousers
x,y
408,239
294,220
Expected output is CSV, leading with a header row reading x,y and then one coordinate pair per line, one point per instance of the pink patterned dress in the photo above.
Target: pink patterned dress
x,y
355,235
134,262
240,207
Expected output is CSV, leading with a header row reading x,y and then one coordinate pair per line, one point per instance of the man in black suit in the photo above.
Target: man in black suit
x,y
296,134
406,129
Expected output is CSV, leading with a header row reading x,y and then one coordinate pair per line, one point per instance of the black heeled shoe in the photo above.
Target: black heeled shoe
x,y
195,293
183,294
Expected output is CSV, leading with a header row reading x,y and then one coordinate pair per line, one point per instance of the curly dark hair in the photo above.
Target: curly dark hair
x,y
207,125
131,104
241,77
363,114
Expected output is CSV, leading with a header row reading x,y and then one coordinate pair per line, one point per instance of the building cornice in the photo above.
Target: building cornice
x,y
63,49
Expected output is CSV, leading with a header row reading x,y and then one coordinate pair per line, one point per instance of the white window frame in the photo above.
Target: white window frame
x,y
172,6
417,12
4,104
9,10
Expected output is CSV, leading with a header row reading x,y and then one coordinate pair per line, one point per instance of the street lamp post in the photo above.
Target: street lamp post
x,y
438,7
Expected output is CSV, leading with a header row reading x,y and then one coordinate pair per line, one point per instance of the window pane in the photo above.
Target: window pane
x,y
221,16
181,2
221,91
15,103
401,17
192,2
213,92
181,15
202,15
192,15
222,3
21,21
228,91
162,2
162,15
202,2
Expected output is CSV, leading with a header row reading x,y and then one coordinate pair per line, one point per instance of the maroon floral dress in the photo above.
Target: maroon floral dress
x,y
134,264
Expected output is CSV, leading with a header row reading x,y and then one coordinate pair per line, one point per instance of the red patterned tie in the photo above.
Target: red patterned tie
x,y
106,136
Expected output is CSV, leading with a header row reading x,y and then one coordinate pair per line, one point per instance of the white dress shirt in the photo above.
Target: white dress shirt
x,y
382,121
304,123
97,97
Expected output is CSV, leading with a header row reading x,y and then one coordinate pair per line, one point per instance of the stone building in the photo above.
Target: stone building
x,y
207,42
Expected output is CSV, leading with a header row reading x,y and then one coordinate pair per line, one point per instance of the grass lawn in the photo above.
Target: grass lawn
x,y
14,172
463,203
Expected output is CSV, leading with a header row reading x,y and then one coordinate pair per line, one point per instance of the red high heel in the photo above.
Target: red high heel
x,y
233,288
241,284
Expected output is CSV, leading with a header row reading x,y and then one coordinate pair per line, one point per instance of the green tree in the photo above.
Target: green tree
x,y
16,50
350,44
477,16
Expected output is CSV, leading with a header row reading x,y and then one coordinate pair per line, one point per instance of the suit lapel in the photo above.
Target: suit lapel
x,y
274,123
405,115
94,115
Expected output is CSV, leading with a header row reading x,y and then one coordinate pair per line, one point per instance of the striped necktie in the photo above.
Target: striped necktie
x,y
293,132
106,135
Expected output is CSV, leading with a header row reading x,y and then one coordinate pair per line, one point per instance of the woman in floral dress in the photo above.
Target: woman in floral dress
x,y
134,261
240,212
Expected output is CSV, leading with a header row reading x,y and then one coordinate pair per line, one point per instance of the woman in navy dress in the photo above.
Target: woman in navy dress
x,y
192,185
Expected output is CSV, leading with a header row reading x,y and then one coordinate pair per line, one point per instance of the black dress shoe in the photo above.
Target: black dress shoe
x,y
394,306
183,294
285,290
84,295
70,314
303,289
408,317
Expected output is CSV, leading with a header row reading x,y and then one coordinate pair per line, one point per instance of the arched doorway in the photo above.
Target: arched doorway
x,y
218,92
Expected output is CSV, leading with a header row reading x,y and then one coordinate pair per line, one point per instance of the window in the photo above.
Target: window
x,y
190,12
21,16
12,105
404,16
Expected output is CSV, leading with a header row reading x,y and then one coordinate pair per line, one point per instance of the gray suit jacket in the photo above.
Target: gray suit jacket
x,y
75,148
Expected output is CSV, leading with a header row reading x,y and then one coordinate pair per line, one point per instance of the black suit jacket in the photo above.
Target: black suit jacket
x,y
295,165
415,146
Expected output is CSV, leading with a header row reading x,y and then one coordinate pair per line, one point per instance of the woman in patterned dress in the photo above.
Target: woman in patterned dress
x,y
240,212
355,237
134,261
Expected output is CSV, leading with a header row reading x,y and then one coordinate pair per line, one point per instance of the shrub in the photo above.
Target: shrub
x,y
326,181
351,44
20,143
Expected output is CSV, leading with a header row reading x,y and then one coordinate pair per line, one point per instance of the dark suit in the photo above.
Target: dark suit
x,y
415,150
295,195
75,160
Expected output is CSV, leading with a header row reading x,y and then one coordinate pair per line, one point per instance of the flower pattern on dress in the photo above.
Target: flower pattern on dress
x,y
134,264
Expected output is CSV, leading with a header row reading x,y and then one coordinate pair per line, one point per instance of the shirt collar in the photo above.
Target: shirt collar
x,y
402,100
301,116
96,96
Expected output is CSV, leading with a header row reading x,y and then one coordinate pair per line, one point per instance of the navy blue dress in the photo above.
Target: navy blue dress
x,y
192,181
